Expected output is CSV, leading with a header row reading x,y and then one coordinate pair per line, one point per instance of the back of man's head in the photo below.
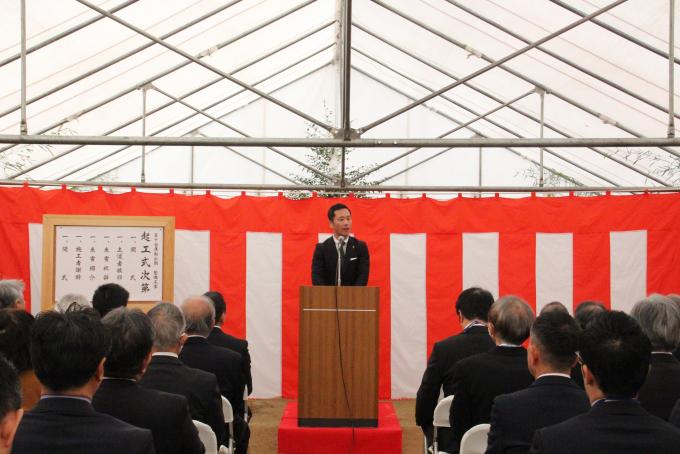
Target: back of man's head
x,y
555,335
511,318
659,318
131,341
108,297
554,306
72,302
11,294
168,326
199,315
10,403
474,303
586,311
15,337
616,352
218,302
66,349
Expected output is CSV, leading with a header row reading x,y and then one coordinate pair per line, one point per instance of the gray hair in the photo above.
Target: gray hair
x,y
72,301
199,315
674,297
659,318
511,318
168,325
11,292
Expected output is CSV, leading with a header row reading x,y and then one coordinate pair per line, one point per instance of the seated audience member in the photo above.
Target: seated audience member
x,y
15,337
585,312
10,404
225,364
477,380
552,398
614,357
166,415
554,306
167,373
676,299
11,294
472,308
108,297
222,339
72,301
68,352
659,318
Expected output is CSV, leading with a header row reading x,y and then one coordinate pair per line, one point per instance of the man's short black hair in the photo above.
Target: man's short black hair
x,y
554,306
10,389
218,302
109,296
617,352
15,337
586,311
555,333
336,207
474,303
131,341
66,348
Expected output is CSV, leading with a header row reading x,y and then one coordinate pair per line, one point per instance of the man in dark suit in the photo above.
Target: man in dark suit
x,y
552,398
221,339
225,364
64,420
167,373
343,249
10,404
166,415
472,307
477,380
614,357
659,318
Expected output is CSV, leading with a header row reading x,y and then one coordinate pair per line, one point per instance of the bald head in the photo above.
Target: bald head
x,y
199,314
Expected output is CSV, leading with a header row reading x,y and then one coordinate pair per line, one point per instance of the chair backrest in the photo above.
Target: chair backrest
x,y
207,437
441,412
475,440
227,410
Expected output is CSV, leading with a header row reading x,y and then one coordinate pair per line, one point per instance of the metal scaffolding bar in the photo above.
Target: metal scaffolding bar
x,y
671,70
541,94
212,68
345,82
65,33
486,68
615,30
347,189
23,125
562,59
142,176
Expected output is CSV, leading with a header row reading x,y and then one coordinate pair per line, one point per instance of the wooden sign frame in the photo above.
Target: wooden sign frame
x,y
52,221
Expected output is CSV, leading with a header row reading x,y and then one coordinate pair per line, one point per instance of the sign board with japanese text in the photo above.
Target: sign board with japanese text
x,y
80,253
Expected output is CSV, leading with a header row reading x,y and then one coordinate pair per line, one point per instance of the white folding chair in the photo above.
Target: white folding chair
x,y
441,419
207,436
229,419
246,415
475,440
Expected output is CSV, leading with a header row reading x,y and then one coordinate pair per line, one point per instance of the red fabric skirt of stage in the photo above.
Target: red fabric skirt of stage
x,y
384,439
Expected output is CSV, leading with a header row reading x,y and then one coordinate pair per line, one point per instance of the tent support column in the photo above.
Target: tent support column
x,y
142,176
23,126
671,69
541,94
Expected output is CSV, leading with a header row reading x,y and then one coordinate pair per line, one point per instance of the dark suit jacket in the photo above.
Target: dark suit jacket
x,y
662,386
170,375
166,415
224,363
355,265
477,380
516,416
439,371
221,339
62,425
621,427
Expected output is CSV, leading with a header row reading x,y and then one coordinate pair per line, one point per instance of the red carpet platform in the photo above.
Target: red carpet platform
x,y
385,439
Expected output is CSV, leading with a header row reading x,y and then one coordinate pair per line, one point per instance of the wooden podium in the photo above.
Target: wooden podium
x,y
338,322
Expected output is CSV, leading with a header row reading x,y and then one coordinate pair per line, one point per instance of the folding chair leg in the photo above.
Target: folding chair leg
x,y
434,441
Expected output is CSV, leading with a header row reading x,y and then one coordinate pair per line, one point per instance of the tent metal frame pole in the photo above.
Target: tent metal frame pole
x,y
347,189
541,95
23,125
65,33
485,69
671,69
212,68
345,86
153,78
616,31
509,70
142,176
190,93
562,59
498,125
